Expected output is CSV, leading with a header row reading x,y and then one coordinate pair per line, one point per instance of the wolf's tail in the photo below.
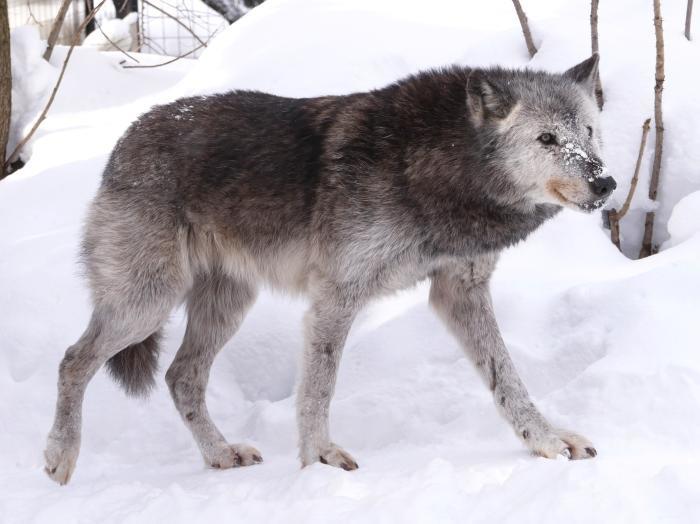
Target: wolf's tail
x,y
134,367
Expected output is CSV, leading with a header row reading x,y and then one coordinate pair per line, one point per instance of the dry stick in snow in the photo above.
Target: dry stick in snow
x,y
526,28
42,116
688,15
616,216
56,28
594,50
647,247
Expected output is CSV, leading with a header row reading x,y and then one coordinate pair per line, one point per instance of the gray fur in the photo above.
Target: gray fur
x,y
343,199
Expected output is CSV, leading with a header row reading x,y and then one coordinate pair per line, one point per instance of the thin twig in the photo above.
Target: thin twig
x,y
115,45
526,28
32,18
595,51
647,248
42,116
188,53
56,28
616,216
688,15
176,20
635,178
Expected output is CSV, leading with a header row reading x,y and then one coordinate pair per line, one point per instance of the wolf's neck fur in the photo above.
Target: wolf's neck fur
x,y
442,173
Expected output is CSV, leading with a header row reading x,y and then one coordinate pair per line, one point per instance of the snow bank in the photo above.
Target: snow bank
x,y
685,219
607,346
32,79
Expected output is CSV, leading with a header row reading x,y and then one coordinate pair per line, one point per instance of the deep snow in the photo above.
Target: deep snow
x,y
607,346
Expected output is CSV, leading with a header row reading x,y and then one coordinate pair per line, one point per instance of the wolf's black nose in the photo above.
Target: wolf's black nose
x,y
603,186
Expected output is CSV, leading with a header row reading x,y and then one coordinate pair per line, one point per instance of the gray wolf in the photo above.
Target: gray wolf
x,y
342,198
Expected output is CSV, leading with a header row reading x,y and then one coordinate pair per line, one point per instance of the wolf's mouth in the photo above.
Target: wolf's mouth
x,y
592,206
586,206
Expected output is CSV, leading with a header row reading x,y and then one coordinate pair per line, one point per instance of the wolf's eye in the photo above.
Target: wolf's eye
x,y
547,139
590,131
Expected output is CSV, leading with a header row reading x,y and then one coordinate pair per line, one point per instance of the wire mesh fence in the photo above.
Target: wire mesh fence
x,y
41,13
165,27
177,27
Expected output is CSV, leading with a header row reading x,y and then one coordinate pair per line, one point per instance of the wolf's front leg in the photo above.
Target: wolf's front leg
x,y
462,299
327,324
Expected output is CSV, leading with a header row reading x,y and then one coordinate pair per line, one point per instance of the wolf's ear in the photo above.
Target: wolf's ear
x,y
585,73
486,99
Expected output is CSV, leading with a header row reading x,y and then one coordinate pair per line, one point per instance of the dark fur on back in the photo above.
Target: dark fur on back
x,y
268,172
314,163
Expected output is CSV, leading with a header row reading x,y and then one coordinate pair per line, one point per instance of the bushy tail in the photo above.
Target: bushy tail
x,y
134,367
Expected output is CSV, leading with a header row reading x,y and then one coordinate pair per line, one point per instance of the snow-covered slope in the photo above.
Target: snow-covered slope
x,y
607,346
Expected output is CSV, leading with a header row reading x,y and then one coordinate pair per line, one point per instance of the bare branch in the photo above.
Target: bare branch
x,y
118,48
595,50
616,216
635,178
525,27
56,28
188,53
179,22
32,18
647,249
42,116
688,16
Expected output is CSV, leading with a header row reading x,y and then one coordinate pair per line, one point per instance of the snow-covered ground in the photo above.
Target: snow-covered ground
x,y
608,346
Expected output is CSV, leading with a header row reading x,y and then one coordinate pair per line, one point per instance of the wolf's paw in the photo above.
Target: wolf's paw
x,y
338,457
233,456
60,460
555,442
331,454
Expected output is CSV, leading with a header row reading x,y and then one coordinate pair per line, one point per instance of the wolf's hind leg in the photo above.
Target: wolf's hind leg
x,y
216,307
462,299
108,333
327,324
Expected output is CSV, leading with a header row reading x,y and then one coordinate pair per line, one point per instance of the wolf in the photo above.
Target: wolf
x,y
343,199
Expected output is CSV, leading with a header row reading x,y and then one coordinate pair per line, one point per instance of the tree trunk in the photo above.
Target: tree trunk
x,y
124,7
5,85
688,16
89,7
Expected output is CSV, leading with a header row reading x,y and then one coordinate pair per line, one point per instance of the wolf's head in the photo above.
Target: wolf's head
x,y
541,130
